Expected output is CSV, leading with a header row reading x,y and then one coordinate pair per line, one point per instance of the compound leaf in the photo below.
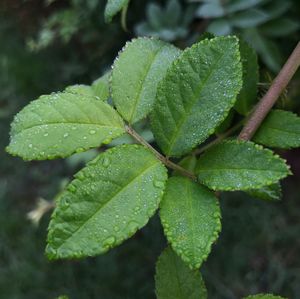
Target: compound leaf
x,y
264,296
248,94
174,279
113,7
196,94
240,165
136,73
190,215
108,201
60,124
281,129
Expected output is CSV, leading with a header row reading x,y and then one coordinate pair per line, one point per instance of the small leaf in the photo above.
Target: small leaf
x,y
196,94
173,13
220,27
174,279
277,8
210,10
80,89
101,87
110,199
190,215
155,16
281,129
238,5
248,94
239,165
269,193
61,124
113,7
249,18
136,73
264,296
281,27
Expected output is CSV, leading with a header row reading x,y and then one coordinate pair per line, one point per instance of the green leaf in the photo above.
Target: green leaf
x,y
155,16
196,94
136,73
281,27
277,8
110,199
249,18
210,10
113,7
80,89
238,5
174,279
281,129
269,193
173,13
100,87
190,215
219,27
264,296
188,163
248,94
60,124
240,165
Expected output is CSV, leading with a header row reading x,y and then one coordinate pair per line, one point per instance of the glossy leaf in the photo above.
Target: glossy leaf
x,y
248,94
272,192
136,73
264,296
60,124
196,94
190,215
174,279
108,201
113,7
240,165
281,129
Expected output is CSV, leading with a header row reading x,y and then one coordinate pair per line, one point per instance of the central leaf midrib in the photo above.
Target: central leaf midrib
x,y
194,100
106,203
63,123
140,86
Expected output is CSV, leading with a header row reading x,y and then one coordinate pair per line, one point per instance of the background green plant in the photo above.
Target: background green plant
x,y
265,255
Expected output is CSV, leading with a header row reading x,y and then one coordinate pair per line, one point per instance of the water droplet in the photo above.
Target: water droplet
x,y
46,134
109,242
105,161
30,145
116,228
66,135
72,188
158,184
92,132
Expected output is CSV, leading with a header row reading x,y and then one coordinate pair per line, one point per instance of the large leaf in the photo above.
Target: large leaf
x,y
281,129
108,202
248,94
196,94
136,73
174,279
60,124
263,296
113,7
240,165
190,215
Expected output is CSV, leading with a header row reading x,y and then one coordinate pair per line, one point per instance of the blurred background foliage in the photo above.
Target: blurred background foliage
x,y
46,45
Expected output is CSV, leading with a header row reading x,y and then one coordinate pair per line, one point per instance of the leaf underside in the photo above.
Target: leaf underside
x,y
174,279
196,94
281,129
60,124
190,215
269,193
136,74
108,201
240,165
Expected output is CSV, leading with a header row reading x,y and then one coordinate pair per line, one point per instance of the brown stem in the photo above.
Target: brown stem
x,y
270,98
162,158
